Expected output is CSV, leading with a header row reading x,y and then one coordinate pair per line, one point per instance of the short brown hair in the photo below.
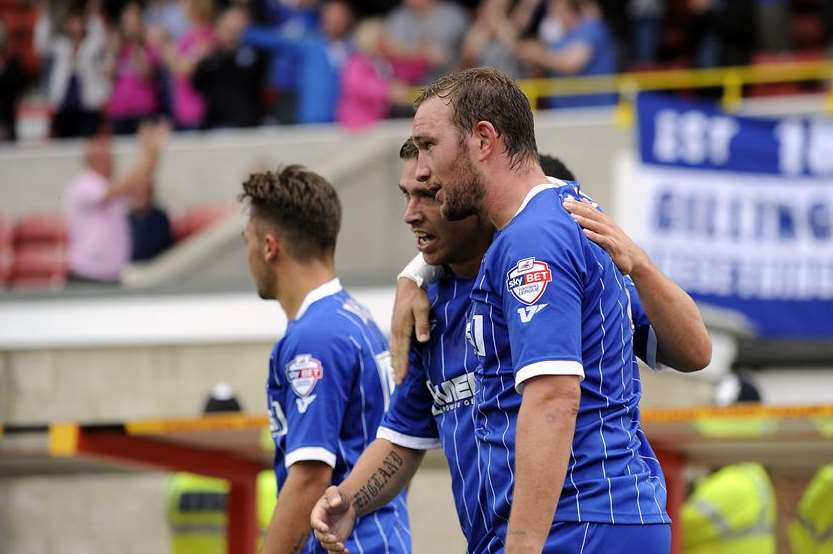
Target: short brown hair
x,y
301,203
487,94
409,150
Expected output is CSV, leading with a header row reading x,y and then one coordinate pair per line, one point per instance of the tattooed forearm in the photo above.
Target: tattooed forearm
x,y
375,484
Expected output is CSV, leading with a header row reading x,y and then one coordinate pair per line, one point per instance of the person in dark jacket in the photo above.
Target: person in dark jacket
x,y
231,78
12,81
150,227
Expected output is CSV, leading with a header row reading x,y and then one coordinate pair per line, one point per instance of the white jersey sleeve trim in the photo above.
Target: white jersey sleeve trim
x,y
310,454
416,443
549,367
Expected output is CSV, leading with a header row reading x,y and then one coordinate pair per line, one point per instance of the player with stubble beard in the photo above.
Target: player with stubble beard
x,y
439,414
557,386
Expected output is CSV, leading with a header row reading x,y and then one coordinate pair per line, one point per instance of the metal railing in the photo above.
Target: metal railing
x,y
730,79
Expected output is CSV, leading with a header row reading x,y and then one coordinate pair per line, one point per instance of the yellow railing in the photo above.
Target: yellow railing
x,y
730,79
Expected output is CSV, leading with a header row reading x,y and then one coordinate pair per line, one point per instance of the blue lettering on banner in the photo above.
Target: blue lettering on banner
x,y
698,135
739,211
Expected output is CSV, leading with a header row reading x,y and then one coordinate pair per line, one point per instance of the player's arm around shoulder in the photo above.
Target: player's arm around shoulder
x,y
683,342
410,315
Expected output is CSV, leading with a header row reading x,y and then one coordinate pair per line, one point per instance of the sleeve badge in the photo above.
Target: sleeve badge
x,y
303,373
528,280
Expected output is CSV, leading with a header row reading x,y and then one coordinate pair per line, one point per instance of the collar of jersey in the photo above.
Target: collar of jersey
x,y
553,184
327,289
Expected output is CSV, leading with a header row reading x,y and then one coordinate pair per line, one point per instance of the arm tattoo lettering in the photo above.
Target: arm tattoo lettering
x,y
376,482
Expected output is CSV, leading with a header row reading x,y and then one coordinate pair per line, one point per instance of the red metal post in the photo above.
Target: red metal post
x,y
672,467
242,531
243,526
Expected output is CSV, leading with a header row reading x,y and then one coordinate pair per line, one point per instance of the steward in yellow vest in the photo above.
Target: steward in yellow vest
x,y
732,511
812,532
197,511
197,504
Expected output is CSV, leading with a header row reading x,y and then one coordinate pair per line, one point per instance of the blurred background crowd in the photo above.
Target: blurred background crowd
x,y
205,64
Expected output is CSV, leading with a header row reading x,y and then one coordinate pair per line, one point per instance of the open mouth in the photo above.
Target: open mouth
x,y
424,240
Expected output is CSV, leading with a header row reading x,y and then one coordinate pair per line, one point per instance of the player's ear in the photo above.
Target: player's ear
x,y
271,246
486,137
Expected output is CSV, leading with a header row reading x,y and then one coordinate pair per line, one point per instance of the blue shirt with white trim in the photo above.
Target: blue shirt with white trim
x,y
432,408
548,301
329,385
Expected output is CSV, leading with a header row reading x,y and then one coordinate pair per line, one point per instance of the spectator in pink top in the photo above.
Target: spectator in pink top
x,y
98,206
182,59
134,86
368,90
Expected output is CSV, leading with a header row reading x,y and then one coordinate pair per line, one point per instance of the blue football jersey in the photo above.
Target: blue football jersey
x,y
432,408
329,386
644,338
548,301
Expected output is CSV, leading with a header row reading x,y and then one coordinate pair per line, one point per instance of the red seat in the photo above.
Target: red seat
x,y
6,262
807,31
782,89
197,219
41,227
6,233
39,263
55,281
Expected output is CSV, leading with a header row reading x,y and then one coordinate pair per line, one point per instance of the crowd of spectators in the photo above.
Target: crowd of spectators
x,y
207,64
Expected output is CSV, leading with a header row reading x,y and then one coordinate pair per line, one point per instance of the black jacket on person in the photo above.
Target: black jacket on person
x,y
151,232
231,83
12,82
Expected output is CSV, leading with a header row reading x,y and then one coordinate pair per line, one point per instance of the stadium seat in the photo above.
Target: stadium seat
x,y
782,89
6,261
19,19
41,227
6,233
807,30
39,265
197,219
6,250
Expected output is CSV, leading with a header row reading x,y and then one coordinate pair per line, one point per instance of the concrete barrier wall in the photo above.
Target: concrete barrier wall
x,y
374,243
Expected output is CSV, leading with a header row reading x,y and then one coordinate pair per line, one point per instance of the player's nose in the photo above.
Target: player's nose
x,y
412,214
423,171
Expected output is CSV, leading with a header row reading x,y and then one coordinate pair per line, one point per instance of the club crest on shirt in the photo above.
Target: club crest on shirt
x,y
528,280
303,373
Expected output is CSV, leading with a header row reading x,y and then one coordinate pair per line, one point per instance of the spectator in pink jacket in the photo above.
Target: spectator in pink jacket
x,y
134,85
368,90
182,59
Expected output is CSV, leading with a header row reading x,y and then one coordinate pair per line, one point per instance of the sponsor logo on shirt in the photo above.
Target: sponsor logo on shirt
x,y
303,373
304,402
528,312
453,393
528,280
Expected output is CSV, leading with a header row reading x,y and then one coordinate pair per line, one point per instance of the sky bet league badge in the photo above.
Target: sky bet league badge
x,y
528,280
